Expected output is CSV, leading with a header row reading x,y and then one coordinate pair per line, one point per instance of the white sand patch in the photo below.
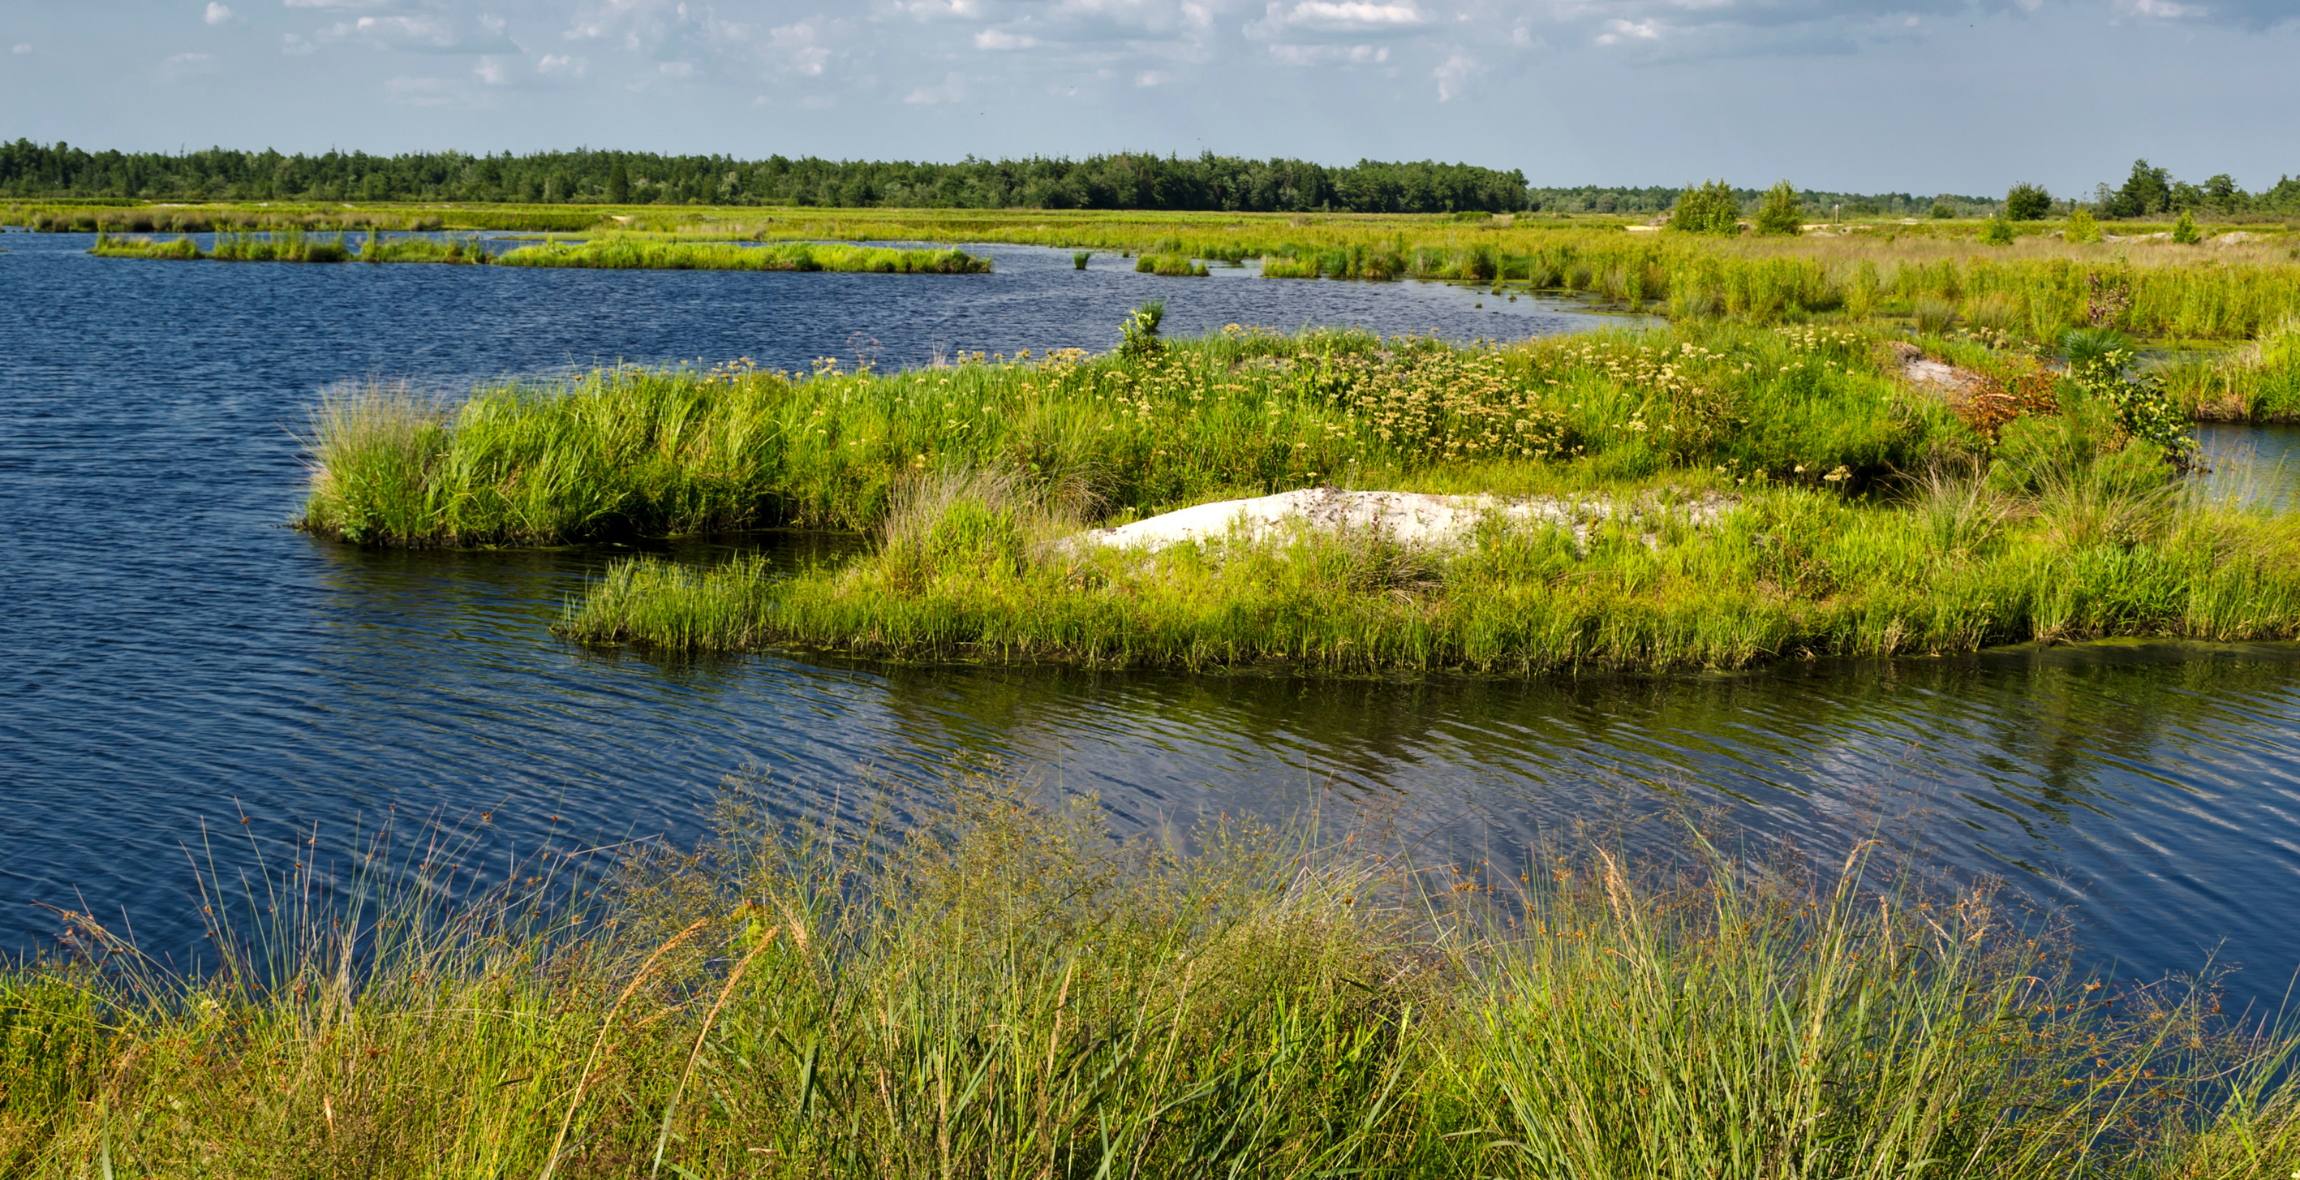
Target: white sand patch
x,y
1411,518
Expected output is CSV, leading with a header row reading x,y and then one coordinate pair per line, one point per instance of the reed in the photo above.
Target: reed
x,y
624,253
2105,550
1004,990
1171,265
632,452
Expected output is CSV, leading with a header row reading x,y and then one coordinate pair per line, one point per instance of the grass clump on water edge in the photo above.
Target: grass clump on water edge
x,y
644,452
1171,265
1960,563
610,252
1003,989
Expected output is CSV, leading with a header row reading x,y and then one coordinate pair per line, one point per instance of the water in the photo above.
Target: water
x,y
175,657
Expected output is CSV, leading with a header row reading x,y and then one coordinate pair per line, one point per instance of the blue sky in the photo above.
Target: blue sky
x,y
1879,95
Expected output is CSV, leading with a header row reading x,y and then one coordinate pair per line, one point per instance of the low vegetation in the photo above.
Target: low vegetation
x,y
1005,990
621,253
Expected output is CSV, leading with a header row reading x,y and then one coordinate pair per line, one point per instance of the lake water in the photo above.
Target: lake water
x,y
175,657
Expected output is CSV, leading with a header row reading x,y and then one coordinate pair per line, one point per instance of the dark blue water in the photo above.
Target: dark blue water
x,y
174,656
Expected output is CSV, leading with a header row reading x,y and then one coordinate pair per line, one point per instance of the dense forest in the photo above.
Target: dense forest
x,y
1123,181
1127,180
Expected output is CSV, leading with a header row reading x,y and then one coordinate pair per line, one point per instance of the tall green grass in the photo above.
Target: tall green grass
x,y
2103,548
639,452
624,253
1003,990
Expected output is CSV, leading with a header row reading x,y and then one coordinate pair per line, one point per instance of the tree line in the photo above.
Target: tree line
x,y
1126,180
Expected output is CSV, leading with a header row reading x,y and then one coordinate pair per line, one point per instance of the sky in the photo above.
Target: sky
x,y
1921,96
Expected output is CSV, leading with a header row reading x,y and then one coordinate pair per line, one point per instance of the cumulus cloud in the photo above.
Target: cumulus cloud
x,y
425,32
1311,55
219,14
1001,39
1455,74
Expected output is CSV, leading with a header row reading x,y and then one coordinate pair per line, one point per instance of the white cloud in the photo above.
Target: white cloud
x,y
490,71
1310,55
1622,31
294,45
1353,15
1000,39
1453,77
676,69
561,63
1152,78
218,13
2167,10
801,47
941,9
21,47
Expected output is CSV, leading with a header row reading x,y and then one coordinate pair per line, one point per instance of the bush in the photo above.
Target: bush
x,y
1998,232
2184,231
2027,202
2082,227
1781,213
1707,209
1943,211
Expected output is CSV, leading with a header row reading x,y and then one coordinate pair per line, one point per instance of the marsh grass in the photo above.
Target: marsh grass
x,y
628,451
618,252
1171,265
1001,989
1788,573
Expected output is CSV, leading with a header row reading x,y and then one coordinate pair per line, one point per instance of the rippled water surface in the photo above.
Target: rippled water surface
x,y
175,657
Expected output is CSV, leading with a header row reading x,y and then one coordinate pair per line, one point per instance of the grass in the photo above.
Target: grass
x,y
625,253
2035,287
2105,550
1171,265
2256,382
624,452
1004,990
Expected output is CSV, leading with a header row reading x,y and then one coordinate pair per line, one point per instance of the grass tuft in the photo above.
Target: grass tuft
x,y
1004,990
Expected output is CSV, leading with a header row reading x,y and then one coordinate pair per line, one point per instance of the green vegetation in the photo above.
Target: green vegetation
x,y
626,451
1709,208
1127,180
1172,265
1005,990
608,252
1998,231
2027,202
626,253
1781,212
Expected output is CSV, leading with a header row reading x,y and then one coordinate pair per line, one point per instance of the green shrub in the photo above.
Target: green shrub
x,y
2184,231
1706,209
1781,213
2082,227
1943,211
1078,258
2027,202
1997,232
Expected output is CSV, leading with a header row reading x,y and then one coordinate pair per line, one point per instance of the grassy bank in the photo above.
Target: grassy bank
x,y
628,451
620,253
2035,287
1005,991
2106,549
608,252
